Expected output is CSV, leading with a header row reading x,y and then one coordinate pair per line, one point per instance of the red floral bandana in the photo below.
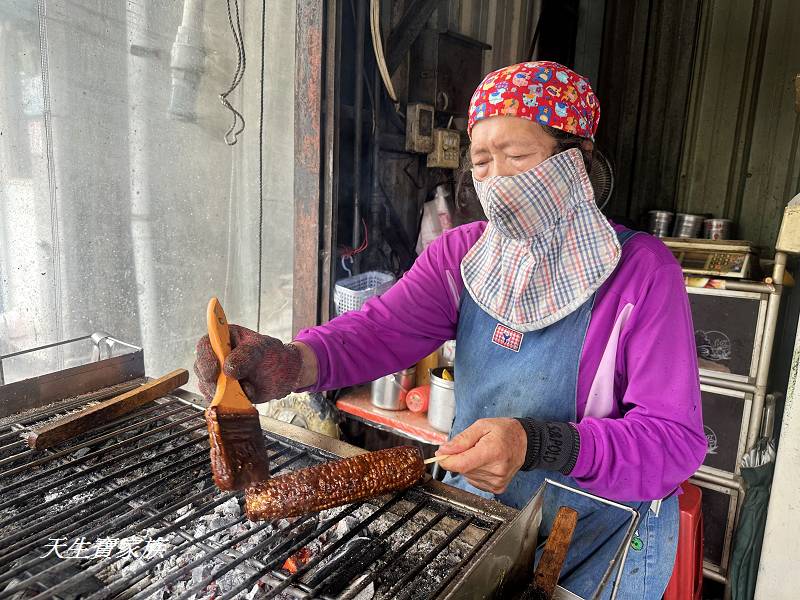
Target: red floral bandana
x,y
544,92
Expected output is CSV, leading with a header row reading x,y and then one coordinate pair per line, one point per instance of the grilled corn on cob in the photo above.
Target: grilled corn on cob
x,y
334,483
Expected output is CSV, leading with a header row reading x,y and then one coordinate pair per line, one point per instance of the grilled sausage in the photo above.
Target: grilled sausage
x,y
334,483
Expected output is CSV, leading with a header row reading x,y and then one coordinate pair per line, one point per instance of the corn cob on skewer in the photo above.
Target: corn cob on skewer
x,y
334,483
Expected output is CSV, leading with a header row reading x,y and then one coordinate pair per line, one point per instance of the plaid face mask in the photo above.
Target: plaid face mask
x,y
547,247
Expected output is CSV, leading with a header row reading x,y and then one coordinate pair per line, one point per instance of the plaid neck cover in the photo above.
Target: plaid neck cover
x,y
547,247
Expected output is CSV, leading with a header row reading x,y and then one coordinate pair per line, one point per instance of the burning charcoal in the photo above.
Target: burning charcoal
x,y
352,562
345,525
81,452
230,508
199,573
298,560
82,588
254,591
367,593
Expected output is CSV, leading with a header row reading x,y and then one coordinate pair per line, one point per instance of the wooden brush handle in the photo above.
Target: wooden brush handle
x,y
218,331
229,393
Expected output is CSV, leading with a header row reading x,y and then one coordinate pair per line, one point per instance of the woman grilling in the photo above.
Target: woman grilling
x,y
576,357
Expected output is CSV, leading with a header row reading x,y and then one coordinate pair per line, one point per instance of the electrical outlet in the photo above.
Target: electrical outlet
x,y
446,149
419,128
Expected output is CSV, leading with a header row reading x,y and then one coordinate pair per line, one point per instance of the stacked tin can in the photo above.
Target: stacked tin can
x,y
717,229
660,223
688,226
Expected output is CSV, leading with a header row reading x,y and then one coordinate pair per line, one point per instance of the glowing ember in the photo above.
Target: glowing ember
x,y
297,560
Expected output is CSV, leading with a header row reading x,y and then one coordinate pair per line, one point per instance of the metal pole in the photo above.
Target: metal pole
x,y
748,388
721,481
746,286
762,375
139,80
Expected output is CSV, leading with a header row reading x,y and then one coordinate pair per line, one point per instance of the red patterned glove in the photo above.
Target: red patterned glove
x,y
265,367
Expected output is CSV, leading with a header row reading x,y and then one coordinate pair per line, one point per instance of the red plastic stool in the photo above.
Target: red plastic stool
x,y
687,575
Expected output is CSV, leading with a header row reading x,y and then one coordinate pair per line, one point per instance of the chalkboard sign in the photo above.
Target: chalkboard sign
x,y
727,330
726,415
719,514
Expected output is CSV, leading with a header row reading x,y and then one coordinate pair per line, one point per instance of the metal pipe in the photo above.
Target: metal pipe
x,y
749,286
45,347
768,422
740,386
726,482
779,268
140,82
714,576
187,61
358,101
767,343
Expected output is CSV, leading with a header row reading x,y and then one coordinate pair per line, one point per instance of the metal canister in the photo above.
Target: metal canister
x,y
659,223
688,226
389,392
442,403
718,229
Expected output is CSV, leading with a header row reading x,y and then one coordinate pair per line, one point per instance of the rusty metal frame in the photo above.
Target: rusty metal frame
x,y
330,175
315,141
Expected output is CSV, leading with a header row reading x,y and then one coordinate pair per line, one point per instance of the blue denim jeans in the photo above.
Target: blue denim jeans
x,y
651,556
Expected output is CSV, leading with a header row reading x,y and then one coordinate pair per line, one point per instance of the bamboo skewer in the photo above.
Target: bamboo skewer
x,y
436,459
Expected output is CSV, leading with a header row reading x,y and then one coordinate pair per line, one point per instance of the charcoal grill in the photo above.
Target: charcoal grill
x,y
144,481
136,515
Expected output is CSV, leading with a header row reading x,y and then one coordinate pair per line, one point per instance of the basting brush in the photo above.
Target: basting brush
x,y
238,452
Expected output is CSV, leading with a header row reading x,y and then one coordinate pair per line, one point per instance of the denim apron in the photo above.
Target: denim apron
x,y
540,381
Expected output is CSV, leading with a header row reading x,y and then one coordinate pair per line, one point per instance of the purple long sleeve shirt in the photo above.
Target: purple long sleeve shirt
x,y
638,394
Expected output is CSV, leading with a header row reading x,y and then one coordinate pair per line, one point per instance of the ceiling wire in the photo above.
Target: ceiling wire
x,y
377,46
231,136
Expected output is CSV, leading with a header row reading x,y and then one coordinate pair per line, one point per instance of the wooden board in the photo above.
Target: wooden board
x,y
545,578
80,422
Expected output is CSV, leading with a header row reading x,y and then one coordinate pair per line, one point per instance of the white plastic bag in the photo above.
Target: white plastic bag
x,y
436,218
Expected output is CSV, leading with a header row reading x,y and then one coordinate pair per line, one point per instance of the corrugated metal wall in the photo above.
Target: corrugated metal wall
x,y
741,158
506,25
644,87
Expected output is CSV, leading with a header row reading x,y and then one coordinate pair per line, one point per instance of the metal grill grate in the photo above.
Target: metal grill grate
x,y
146,477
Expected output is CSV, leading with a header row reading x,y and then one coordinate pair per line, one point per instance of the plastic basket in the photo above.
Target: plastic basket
x,y
351,293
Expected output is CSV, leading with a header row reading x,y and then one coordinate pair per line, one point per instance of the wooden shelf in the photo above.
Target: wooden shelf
x,y
356,403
